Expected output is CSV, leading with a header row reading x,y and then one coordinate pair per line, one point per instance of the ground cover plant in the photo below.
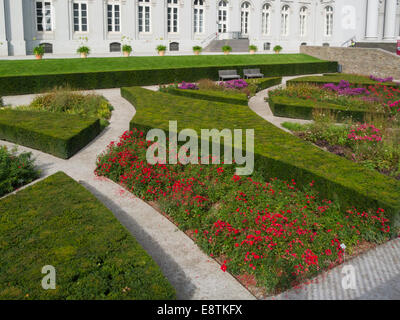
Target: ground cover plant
x,y
277,153
270,232
63,100
59,134
16,170
58,222
19,77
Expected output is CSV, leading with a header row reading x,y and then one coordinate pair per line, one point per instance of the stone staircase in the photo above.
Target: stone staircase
x,y
387,46
239,45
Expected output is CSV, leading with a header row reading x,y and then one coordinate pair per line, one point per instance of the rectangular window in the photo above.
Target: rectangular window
x,y
144,16
80,17
198,20
43,16
172,16
113,18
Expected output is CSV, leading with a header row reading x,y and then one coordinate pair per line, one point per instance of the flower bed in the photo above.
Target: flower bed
x,y
16,170
270,231
58,222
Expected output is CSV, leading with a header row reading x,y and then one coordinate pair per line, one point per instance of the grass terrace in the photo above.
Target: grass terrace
x,y
58,222
58,66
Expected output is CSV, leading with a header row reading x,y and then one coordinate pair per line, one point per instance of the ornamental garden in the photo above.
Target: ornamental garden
x,y
315,186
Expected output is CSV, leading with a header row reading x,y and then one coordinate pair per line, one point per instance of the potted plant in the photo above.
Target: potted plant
x,y
253,49
161,50
126,49
197,50
226,49
39,52
84,51
277,49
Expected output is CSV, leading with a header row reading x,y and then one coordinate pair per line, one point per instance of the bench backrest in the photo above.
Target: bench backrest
x,y
251,71
227,72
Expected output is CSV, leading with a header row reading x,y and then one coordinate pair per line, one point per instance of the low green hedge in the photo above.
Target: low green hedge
x,y
10,85
58,222
303,109
357,80
277,153
265,83
212,95
61,135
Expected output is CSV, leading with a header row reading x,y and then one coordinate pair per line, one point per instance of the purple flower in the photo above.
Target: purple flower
x,y
187,86
389,79
235,84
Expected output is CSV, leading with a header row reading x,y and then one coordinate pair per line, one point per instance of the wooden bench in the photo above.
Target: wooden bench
x,y
252,73
228,74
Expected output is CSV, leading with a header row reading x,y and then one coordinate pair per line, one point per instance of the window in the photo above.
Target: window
x,y
115,47
285,21
144,13
48,47
172,16
303,43
198,16
244,18
114,16
43,16
303,21
266,19
174,46
328,21
222,16
80,17
326,44
267,46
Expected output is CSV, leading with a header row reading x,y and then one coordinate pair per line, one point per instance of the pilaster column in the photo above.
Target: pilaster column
x,y
372,20
16,18
3,38
390,20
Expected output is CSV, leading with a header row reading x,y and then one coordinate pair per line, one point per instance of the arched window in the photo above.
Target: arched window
x,y
266,19
173,16
144,16
303,21
48,47
222,16
267,46
303,43
285,20
325,44
328,21
115,47
244,18
198,16
174,46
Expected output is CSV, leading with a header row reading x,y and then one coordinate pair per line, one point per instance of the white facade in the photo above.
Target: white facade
x,y
144,24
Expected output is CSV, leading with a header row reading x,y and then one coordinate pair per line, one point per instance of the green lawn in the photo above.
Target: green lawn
x,y
277,153
56,66
58,222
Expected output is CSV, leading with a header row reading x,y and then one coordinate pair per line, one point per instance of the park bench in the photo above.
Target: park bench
x,y
252,73
228,74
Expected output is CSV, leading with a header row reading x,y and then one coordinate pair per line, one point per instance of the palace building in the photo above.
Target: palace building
x,y
105,25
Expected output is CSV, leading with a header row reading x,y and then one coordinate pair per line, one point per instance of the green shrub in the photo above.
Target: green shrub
x,y
127,48
58,222
226,48
10,85
15,170
277,48
61,135
161,48
38,51
197,48
253,48
277,153
83,49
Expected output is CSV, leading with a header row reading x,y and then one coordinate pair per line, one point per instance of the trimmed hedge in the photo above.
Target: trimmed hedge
x,y
277,153
359,81
58,222
303,109
61,135
227,96
10,85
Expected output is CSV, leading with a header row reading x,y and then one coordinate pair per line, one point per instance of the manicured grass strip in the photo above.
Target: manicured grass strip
x,y
62,66
58,222
303,109
277,153
61,135
99,77
357,80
